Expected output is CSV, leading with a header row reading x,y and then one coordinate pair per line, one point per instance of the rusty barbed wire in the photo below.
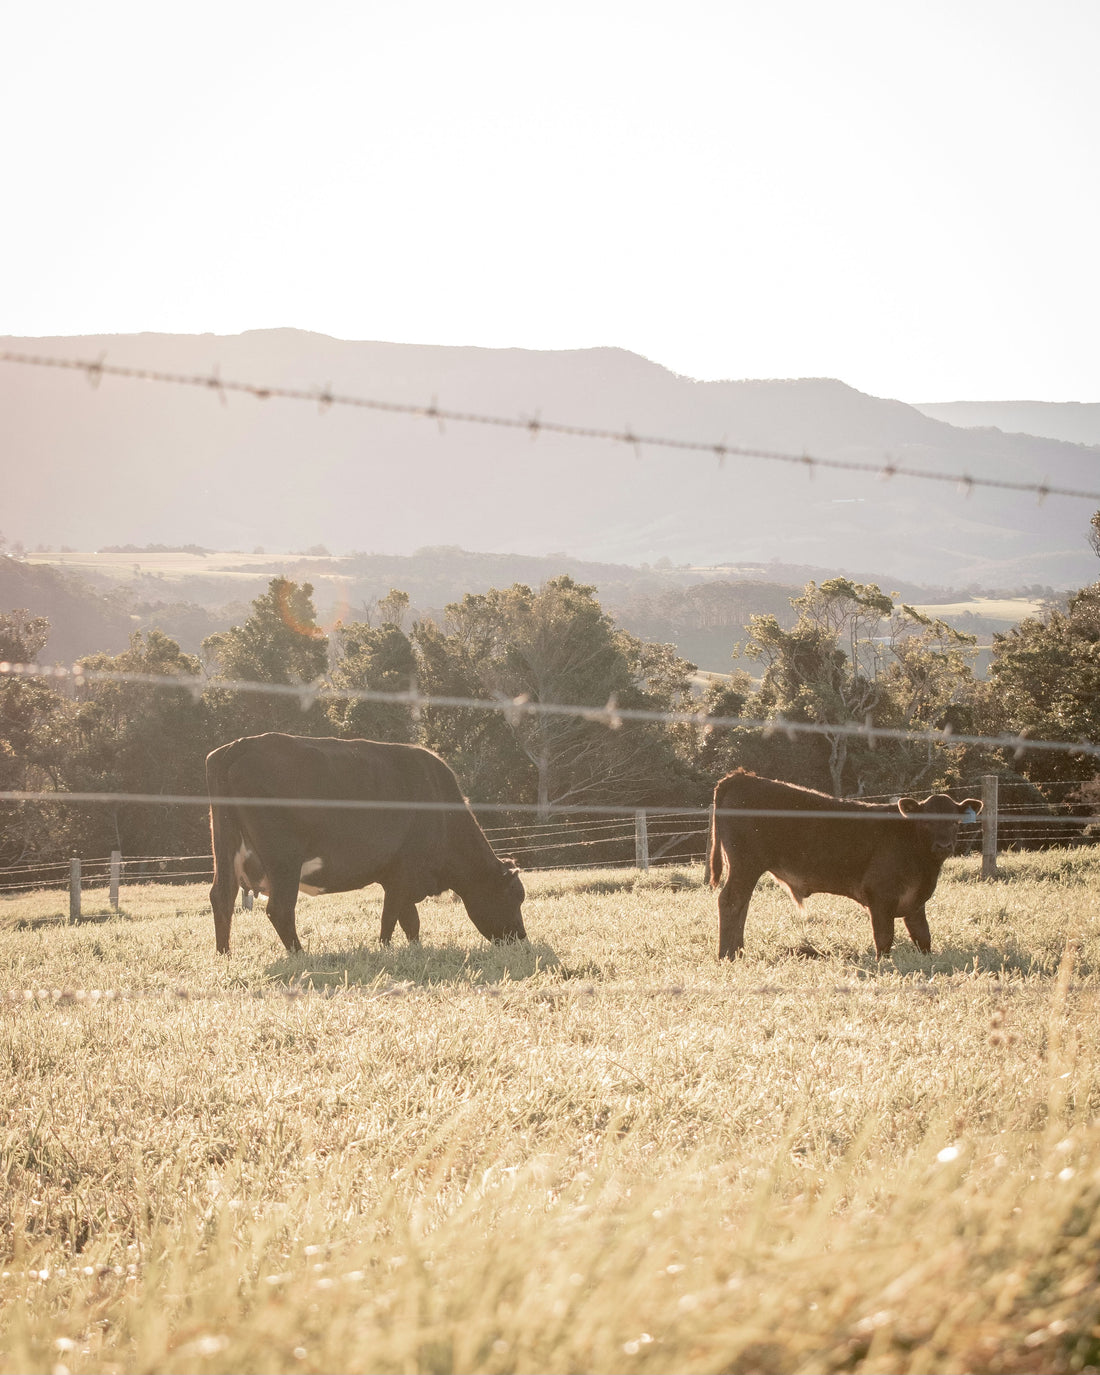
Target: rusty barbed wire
x,y
324,397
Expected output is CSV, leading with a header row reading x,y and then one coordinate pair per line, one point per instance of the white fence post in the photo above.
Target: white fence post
x,y
74,889
641,840
116,876
989,825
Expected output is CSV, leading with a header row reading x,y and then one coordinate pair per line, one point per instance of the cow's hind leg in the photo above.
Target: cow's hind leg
x,y
733,908
917,925
398,908
282,899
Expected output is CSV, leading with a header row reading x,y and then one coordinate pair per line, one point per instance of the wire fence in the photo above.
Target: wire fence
x,y
676,836
95,369
610,714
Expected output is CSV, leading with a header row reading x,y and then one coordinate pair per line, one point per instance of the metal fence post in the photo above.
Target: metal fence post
x,y
74,889
116,876
989,825
641,840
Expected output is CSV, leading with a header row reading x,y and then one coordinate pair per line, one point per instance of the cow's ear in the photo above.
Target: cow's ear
x,y
908,805
969,809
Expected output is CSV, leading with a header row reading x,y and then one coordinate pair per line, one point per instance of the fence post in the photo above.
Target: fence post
x,y
246,900
641,840
116,876
989,825
74,889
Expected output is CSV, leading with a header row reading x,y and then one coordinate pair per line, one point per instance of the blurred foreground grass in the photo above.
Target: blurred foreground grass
x,y
596,1151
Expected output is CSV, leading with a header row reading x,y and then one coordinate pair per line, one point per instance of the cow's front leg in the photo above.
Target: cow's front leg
x,y
281,902
917,925
398,908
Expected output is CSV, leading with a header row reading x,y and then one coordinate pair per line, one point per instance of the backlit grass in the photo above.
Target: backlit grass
x,y
596,1151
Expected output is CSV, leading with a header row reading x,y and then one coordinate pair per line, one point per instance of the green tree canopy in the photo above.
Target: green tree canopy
x,y
137,738
855,658
1045,679
381,659
556,646
279,643
33,725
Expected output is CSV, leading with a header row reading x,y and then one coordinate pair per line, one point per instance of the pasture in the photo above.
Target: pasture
x,y
599,1151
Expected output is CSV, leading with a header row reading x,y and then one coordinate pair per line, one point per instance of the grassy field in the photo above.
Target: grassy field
x,y
596,1152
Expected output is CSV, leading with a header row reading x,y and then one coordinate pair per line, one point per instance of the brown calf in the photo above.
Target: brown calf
x,y
884,856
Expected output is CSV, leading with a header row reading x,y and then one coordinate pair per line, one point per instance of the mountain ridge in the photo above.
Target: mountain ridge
x,y
136,462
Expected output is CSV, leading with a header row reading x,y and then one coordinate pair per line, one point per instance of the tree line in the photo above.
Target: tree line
x,y
846,654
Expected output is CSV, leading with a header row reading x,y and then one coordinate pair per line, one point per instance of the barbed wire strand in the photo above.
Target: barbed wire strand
x,y
611,714
324,397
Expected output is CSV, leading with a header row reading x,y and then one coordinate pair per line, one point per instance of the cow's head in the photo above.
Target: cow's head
x,y
495,904
939,818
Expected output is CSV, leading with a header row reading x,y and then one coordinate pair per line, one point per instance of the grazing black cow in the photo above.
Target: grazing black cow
x,y
413,851
886,857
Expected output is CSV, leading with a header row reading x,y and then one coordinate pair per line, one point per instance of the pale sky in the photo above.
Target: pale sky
x,y
905,196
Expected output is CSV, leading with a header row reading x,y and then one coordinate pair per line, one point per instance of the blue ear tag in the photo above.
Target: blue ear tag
x,y
969,816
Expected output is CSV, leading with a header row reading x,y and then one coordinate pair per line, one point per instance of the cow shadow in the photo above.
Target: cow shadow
x,y
413,966
1010,959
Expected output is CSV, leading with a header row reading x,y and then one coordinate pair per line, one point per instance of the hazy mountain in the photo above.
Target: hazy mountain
x,y
1077,422
132,461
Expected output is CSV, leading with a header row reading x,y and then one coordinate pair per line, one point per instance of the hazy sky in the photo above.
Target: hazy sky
x,y
902,195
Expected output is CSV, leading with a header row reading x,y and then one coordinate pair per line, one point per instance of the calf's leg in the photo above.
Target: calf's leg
x,y
917,925
733,908
882,926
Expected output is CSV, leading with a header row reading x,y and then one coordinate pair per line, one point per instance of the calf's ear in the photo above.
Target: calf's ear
x,y
970,808
907,805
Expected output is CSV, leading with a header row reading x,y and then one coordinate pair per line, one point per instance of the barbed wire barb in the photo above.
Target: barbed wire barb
x,y
214,382
94,371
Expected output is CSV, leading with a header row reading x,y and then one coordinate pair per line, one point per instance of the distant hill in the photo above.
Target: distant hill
x,y
95,600
139,463
1077,422
82,620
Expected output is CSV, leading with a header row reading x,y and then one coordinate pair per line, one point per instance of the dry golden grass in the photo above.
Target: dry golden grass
x,y
598,1152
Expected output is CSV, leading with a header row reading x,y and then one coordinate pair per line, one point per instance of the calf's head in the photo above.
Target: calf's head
x,y
495,904
939,818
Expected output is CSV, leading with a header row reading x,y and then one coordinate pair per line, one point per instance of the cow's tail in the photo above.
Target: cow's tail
x,y
225,840
716,847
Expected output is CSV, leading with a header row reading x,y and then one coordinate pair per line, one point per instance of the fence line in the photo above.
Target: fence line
x,y
95,369
612,715
98,872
